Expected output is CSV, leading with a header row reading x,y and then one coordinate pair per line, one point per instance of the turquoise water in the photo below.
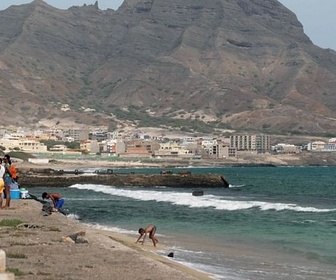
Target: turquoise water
x,y
272,222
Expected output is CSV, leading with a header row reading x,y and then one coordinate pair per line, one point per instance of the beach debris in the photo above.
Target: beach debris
x,y
76,237
171,255
28,225
48,208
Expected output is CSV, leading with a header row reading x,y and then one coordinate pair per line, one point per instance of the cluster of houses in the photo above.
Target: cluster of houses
x,y
124,144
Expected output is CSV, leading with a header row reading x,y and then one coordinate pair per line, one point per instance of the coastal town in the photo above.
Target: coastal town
x,y
138,144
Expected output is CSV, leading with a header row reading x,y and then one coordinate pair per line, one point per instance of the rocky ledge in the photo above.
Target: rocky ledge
x,y
120,180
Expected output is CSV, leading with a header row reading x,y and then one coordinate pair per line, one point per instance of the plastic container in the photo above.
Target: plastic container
x,y
14,185
24,193
15,194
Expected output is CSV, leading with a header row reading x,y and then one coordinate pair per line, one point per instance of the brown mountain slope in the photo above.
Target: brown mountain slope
x,y
241,64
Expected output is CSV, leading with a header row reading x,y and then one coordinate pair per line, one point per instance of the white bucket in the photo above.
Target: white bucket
x,y
24,194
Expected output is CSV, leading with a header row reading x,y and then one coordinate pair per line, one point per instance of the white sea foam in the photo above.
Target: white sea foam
x,y
73,216
236,186
88,199
180,256
118,229
114,229
185,251
206,201
216,272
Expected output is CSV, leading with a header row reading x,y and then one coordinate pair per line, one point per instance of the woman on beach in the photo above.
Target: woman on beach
x,y
2,183
8,178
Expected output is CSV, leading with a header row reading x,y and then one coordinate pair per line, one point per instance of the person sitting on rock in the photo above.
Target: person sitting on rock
x,y
56,198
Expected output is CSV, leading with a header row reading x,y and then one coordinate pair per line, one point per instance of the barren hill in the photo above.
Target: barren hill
x,y
194,64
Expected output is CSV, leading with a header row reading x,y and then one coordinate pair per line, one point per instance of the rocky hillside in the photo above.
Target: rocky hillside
x,y
197,65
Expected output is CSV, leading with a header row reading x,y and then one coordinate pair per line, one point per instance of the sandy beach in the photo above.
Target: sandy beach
x,y
37,248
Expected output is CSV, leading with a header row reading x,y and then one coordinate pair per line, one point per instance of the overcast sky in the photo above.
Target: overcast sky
x,y
316,16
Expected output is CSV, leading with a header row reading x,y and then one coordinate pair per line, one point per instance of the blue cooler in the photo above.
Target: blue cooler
x,y
15,194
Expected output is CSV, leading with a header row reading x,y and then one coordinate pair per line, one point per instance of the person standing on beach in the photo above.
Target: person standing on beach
x,y
2,182
151,230
8,178
56,199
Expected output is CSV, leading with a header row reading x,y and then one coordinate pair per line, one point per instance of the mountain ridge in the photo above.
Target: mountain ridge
x,y
242,65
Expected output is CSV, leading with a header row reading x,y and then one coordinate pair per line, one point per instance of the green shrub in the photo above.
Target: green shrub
x,y
10,223
16,256
16,271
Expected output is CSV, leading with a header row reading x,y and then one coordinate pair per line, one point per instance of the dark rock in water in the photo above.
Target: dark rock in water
x,y
253,165
225,182
170,255
198,193
185,172
166,172
146,180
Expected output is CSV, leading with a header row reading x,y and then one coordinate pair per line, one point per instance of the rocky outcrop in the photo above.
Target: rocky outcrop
x,y
120,180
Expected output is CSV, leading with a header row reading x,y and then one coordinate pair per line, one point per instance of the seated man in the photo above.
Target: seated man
x,y
56,199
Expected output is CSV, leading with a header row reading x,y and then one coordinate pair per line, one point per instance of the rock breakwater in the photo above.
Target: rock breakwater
x,y
120,180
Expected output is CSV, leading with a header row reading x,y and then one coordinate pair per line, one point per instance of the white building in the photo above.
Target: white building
x,y
283,148
316,146
24,145
172,149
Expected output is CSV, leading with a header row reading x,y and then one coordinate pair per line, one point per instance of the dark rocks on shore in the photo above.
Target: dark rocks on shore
x,y
145,180
253,165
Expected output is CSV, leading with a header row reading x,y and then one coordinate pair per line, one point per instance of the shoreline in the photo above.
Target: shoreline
x,y
37,248
260,160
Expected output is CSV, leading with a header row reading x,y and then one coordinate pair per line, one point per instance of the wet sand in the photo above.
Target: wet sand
x,y
38,249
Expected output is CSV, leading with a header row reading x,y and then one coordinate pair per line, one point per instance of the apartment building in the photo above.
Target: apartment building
x,y
258,143
114,147
76,134
90,146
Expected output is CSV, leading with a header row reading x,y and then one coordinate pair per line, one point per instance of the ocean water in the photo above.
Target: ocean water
x,y
272,223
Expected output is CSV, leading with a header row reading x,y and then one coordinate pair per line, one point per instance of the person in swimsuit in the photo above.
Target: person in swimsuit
x,y
8,179
2,182
151,230
56,199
